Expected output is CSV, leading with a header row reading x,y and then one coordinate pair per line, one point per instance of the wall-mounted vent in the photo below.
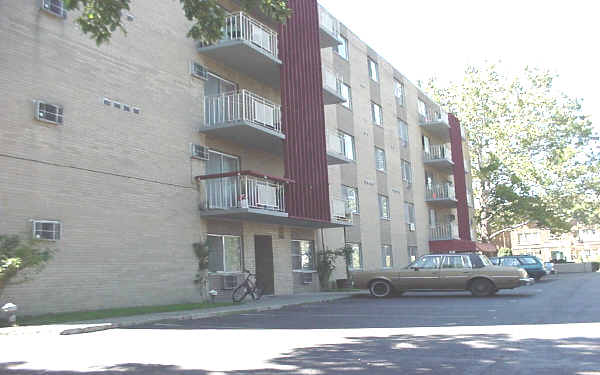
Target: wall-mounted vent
x,y
55,7
198,71
199,152
51,113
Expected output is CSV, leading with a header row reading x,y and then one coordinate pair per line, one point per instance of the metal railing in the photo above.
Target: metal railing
x,y
241,106
433,117
438,152
240,26
340,212
442,232
440,192
332,82
242,191
329,22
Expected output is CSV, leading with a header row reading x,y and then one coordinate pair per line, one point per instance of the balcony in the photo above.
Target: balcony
x,y
439,157
332,88
436,123
336,149
340,212
329,29
444,232
244,118
441,195
247,46
244,195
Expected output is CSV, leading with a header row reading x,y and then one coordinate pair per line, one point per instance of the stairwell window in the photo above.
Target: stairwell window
x,y
224,253
376,114
413,253
422,108
373,70
384,207
351,197
403,132
407,177
46,230
409,216
342,48
399,92
303,255
380,162
347,95
386,256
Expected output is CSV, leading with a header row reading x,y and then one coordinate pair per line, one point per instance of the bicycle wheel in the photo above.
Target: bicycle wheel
x,y
258,291
240,293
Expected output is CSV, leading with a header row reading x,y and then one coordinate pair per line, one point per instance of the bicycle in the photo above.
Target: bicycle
x,y
248,286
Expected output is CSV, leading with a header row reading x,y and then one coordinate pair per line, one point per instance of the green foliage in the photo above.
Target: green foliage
x,y
504,252
100,18
201,251
530,149
17,255
326,265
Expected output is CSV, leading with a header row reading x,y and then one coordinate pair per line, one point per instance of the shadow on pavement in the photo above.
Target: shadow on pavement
x,y
401,354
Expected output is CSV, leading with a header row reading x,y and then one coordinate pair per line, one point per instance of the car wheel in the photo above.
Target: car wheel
x,y
482,288
380,288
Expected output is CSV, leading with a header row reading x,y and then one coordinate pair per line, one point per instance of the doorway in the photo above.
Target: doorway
x,y
263,257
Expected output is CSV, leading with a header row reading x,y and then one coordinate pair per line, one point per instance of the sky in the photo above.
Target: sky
x,y
425,38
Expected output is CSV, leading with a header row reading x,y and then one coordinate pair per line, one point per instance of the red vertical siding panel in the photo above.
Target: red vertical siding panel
x,y
303,113
460,183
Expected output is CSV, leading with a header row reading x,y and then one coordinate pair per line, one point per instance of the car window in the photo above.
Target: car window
x,y
456,261
428,262
528,260
510,262
495,261
486,261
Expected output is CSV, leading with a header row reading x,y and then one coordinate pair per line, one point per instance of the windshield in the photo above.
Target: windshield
x,y
528,260
485,260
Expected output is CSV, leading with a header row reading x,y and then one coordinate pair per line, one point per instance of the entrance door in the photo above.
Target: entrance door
x,y
263,257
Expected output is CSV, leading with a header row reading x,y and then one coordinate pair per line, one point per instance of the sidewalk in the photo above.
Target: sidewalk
x,y
266,303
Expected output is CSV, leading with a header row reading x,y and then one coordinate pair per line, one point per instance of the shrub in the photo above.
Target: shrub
x,y
17,255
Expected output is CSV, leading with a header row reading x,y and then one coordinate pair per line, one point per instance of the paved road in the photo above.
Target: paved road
x,y
552,327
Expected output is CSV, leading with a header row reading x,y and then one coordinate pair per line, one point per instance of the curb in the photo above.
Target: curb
x,y
198,315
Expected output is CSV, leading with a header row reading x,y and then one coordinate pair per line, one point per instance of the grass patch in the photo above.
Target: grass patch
x,y
113,313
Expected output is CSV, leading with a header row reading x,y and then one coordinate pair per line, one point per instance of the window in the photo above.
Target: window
x,y
347,95
224,253
347,145
399,92
198,71
351,196
373,70
510,262
403,132
529,238
406,172
55,7
413,253
377,114
303,256
126,108
51,113
422,110
356,261
409,215
386,256
117,105
380,164
384,207
342,48
456,261
46,230
428,262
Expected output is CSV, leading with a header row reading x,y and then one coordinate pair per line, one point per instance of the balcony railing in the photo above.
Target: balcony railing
x,y
332,82
443,232
241,106
240,27
340,212
434,117
243,190
329,23
440,192
438,152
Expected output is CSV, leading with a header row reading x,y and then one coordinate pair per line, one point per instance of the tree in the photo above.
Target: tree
x,y
202,252
530,150
100,18
17,255
504,252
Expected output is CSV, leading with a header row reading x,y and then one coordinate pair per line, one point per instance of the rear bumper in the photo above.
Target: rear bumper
x,y
527,281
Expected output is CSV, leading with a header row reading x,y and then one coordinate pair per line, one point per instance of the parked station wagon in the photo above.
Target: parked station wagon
x,y
444,272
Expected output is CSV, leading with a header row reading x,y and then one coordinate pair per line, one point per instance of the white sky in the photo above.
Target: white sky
x,y
425,38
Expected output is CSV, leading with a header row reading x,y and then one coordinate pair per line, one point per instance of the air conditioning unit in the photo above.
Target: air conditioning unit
x,y
55,7
199,152
45,112
198,71
412,227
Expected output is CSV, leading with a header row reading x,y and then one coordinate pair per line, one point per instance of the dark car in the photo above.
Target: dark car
x,y
535,268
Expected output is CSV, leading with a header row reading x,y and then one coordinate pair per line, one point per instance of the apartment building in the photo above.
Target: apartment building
x,y
271,144
582,243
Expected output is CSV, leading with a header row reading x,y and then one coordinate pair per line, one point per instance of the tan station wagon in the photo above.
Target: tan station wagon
x,y
444,272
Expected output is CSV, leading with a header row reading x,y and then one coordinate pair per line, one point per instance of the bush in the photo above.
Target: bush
x,y
504,252
17,255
